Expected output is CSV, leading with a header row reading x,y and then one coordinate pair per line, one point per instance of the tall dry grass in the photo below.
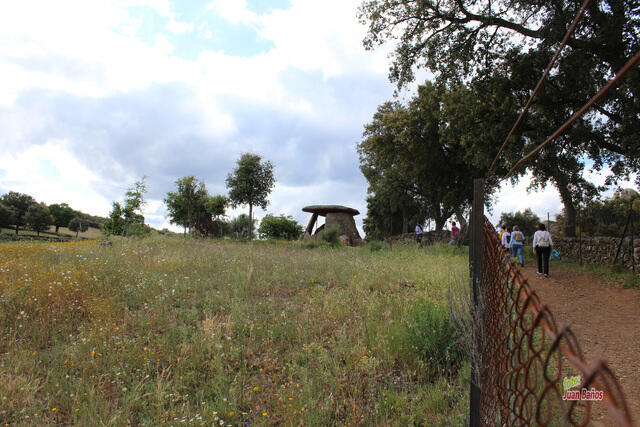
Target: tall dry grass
x,y
170,331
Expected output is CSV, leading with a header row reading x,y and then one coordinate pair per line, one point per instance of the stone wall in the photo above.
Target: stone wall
x,y
598,250
428,238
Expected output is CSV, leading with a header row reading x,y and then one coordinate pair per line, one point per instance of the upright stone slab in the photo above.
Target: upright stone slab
x,y
337,216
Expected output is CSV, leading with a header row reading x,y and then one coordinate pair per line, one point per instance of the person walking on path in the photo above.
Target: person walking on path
x,y
454,233
505,239
419,233
503,228
542,245
517,242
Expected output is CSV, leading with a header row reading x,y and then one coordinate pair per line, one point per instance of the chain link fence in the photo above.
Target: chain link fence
x,y
530,370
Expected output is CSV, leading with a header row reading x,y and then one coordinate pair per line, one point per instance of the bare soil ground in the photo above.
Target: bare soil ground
x,y
606,319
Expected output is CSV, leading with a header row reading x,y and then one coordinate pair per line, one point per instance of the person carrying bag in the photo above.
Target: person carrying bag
x,y
542,245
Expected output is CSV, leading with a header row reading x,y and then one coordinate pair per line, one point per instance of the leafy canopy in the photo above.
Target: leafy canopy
x,y
7,215
187,202
62,214
251,181
78,225
20,202
279,227
421,158
468,39
127,219
38,217
526,221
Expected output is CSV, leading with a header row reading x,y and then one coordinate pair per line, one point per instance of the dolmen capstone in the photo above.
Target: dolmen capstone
x,y
340,217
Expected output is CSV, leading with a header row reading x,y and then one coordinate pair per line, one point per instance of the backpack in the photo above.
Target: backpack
x,y
544,241
517,236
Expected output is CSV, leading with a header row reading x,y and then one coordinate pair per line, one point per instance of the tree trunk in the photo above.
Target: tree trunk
x,y
569,208
250,221
569,219
405,222
462,220
16,229
77,233
57,228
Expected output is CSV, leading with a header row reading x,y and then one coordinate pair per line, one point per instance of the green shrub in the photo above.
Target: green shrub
x,y
279,227
331,235
138,230
431,334
314,244
375,246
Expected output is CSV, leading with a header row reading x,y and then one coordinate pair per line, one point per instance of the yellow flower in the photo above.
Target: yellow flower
x,y
231,414
54,409
291,398
256,388
264,414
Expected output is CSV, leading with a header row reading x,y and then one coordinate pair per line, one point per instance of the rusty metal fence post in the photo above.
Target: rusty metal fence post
x,y
475,262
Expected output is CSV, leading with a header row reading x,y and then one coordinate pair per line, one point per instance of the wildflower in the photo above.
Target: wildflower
x,y
54,409
256,388
231,414
264,414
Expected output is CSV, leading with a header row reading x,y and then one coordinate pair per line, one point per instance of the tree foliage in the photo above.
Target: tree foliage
x,y
127,219
38,217
420,159
527,221
250,183
115,223
608,217
470,39
240,226
7,215
279,227
78,225
62,214
192,207
134,202
187,202
19,202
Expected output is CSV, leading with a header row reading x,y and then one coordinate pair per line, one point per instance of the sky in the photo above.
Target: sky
x,y
95,95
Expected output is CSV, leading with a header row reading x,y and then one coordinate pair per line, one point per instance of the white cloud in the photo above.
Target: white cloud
x,y
51,174
234,11
302,102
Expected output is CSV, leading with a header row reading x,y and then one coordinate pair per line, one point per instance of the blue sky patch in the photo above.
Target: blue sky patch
x,y
210,31
47,169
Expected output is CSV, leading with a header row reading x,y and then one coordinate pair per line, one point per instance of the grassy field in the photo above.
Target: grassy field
x,y
170,331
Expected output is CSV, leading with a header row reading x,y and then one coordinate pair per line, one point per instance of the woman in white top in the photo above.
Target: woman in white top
x,y
542,245
506,239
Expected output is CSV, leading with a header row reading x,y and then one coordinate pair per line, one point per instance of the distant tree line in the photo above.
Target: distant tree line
x,y
19,210
190,206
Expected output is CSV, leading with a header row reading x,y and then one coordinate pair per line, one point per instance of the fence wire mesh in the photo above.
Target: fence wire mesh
x,y
526,357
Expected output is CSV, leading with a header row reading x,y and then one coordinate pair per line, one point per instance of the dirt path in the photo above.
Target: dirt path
x,y
606,320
